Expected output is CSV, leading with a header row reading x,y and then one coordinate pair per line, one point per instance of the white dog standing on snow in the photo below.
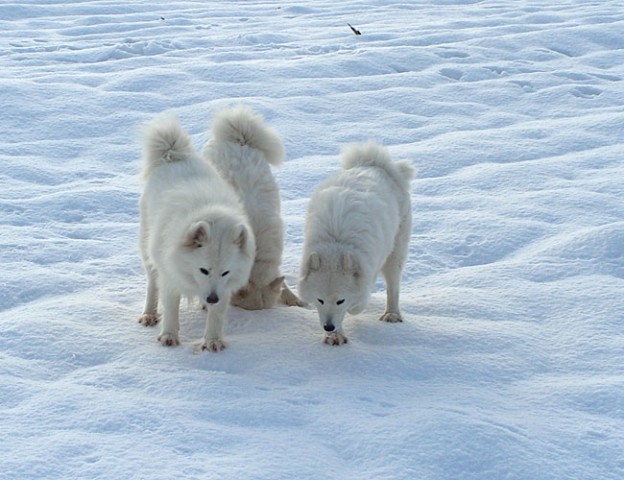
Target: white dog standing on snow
x,y
358,224
242,149
195,240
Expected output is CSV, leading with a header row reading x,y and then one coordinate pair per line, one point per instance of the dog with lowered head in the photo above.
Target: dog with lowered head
x,y
357,225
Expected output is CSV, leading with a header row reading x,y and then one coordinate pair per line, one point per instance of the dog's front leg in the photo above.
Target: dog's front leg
x,y
170,327
213,336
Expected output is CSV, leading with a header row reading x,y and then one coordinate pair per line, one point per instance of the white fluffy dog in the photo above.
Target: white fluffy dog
x,y
242,149
358,224
195,240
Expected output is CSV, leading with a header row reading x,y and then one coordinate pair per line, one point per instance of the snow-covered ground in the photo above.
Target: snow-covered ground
x,y
510,364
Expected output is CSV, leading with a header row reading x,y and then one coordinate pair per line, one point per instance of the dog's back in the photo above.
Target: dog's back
x,y
176,178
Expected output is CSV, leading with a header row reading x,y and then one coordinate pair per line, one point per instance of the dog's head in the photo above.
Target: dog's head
x,y
217,257
334,286
257,297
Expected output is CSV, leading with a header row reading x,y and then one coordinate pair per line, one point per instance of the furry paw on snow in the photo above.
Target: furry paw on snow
x,y
335,339
391,317
149,319
169,340
288,298
215,345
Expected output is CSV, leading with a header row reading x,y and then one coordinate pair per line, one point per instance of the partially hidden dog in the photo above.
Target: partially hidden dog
x,y
357,225
242,149
195,238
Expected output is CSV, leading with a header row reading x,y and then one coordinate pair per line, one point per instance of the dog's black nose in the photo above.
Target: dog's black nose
x,y
329,327
212,299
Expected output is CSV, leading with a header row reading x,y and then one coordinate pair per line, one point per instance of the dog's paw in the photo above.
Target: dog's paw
x,y
288,298
391,317
149,319
169,340
335,339
214,345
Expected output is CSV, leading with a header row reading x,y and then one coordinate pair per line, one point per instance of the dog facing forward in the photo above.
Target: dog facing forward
x,y
195,237
357,225
242,149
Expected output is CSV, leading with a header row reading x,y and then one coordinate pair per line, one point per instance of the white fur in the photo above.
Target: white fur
x,y
241,149
195,238
358,224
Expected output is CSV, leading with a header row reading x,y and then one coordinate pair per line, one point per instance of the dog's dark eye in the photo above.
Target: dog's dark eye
x,y
204,271
225,273
340,302
321,301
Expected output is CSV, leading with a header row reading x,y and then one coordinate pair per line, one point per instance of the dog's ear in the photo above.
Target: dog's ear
x,y
241,237
276,284
346,262
350,264
314,262
198,235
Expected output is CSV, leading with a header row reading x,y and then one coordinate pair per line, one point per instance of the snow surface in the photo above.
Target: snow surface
x,y
510,364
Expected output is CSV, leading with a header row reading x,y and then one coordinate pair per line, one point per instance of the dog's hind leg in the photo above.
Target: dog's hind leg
x,y
392,275
392,271
150,315
170,327
213,336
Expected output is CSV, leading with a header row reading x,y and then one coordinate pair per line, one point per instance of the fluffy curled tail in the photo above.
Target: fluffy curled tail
x,y
244,126
372,154
164,141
